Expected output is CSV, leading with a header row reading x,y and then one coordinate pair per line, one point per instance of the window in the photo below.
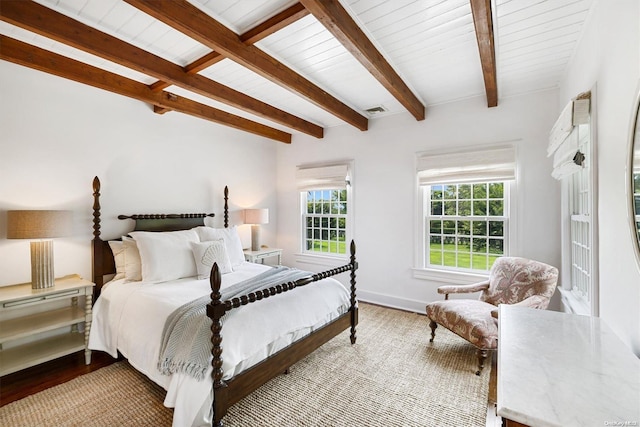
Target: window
x,y
573,147
325,199
325,221
580,231
636,200
466,224
464,209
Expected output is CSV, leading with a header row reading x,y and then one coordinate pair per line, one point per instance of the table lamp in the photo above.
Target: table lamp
x,y
255,217
42,225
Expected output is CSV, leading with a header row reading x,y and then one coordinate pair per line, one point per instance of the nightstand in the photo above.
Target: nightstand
x,y
38,325
259,256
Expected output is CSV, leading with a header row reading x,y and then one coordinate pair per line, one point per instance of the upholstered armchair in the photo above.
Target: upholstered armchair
x,y
512,280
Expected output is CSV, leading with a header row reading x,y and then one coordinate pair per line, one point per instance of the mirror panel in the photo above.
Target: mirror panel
x,y
634,184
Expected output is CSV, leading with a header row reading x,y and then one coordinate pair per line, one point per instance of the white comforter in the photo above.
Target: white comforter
x,y
130,316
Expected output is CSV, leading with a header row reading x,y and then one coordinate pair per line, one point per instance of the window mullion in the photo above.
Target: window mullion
x,y
465,241
324,227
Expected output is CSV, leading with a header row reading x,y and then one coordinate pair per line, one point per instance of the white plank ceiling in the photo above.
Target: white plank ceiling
x,y
431,44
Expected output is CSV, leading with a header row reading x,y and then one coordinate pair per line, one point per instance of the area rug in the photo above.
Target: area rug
x,y
392,377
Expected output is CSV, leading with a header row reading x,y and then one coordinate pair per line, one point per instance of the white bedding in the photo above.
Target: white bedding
x,y
129,317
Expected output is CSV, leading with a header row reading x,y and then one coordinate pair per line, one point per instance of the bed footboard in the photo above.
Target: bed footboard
x,y
226,393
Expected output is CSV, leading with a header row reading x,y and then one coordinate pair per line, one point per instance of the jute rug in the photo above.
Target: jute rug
x,y
392,377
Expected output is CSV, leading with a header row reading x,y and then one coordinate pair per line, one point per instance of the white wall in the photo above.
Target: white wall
x,y
56,135
385,191
608,59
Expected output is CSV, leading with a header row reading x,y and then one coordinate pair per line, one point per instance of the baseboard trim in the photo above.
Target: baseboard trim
x,y
391,301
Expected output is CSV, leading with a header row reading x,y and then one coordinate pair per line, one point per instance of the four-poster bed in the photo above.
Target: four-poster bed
x,y
228,384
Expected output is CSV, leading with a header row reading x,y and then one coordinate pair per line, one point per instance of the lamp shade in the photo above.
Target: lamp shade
x,y
38,224
256,216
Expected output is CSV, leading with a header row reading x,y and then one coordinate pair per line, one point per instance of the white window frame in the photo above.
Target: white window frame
x,y
315,176
454,275
428,217
304,203
579,282
575,132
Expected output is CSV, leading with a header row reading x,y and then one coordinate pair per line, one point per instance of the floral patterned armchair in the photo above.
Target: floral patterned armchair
x,y
512,280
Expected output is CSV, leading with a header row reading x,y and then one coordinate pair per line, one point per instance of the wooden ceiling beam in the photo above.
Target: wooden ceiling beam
x,y
339,23
189,20
274,24
483,22
39,59
254,35
51,24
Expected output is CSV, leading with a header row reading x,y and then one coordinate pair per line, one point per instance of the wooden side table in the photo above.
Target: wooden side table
x,y
259,256
38,325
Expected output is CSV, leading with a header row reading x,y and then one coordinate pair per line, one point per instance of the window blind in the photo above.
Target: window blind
x,y
321,177
490,164
564,164
563,142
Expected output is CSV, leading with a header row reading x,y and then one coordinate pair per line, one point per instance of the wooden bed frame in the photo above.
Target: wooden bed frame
x,y
226,393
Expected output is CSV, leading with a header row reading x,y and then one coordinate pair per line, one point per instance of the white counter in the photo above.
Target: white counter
x,y
559,369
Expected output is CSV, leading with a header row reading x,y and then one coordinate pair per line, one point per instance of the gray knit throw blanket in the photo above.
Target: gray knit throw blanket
x,y
186,337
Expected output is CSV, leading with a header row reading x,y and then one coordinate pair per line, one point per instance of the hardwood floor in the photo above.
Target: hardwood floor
x,y
37,378
493,420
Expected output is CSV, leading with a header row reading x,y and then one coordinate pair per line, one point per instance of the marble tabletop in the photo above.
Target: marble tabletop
x,y
559,369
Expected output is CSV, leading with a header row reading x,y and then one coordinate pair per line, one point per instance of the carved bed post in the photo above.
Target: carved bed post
x,y
215,310
96,244
354,312
226,206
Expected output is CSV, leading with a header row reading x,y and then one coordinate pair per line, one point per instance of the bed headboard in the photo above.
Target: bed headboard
x,y
103,263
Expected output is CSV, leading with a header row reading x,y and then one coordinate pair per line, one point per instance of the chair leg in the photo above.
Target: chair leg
x,y
482,356
433,325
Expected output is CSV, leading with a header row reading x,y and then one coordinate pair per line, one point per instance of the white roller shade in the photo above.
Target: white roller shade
x,y
490,164
317,178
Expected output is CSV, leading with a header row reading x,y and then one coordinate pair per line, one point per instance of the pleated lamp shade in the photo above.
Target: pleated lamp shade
x,y
39,224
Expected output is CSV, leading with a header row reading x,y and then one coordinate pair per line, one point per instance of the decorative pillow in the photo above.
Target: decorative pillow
x,y
132,263
206,253
166,255
118,255
231,241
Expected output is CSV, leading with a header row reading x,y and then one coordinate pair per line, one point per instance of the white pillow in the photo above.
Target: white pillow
x,y
231,241
118,256
132,263
206,253
166,255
